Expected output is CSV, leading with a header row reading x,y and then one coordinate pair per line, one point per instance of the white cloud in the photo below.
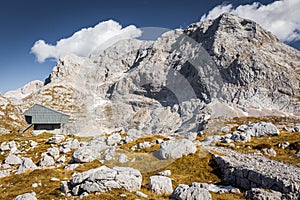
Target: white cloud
x,y
83,42
280,17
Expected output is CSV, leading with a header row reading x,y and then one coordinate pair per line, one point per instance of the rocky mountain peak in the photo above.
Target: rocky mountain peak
x,y
24,91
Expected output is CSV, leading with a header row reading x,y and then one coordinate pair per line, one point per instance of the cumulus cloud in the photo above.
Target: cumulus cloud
x,y
83,42
280,17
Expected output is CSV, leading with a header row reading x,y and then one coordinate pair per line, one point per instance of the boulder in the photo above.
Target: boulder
x,y
176,149
103,179
46,161
185,192
263,128
53,152
160,185
56,139
109,153
114,139
26,196
240,136
89,153
26,164
12,159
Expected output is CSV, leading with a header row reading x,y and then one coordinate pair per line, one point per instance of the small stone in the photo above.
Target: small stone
x,y
235,191
53,179
141,194
32,143
165,173
34,185
123,195
71,167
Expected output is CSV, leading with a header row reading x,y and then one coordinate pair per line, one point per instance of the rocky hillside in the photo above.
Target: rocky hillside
x,y
19,94
225,67
11,118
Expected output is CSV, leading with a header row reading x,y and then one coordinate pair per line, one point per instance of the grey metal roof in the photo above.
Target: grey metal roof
x,y
43,115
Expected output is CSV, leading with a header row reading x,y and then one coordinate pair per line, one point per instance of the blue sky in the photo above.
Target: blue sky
x,y
24,22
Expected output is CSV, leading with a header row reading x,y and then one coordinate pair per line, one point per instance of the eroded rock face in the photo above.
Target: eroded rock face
x,y
103,179
251,61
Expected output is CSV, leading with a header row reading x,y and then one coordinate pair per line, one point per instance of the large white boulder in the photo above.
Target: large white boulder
x,y
176,149
160,184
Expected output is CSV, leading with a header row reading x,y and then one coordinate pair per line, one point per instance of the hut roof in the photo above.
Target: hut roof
x,y
43,115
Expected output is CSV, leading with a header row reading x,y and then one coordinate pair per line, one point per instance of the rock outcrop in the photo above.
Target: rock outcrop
x,y
255,171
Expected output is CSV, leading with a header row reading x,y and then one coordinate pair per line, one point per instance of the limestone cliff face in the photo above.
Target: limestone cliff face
x,y
257,69
225,67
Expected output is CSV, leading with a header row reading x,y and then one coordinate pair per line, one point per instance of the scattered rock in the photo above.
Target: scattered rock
x,y
122,158
297,128
27,196
109,153
34,185
283,145
53,179
32,143
12,159
226,129
53,152
104,179
123,195
114,139
89,153
141,194
261,194
71,144
46,161
263,128
165,173
144,145
176,149
240,136
61,160
56,139
269,152
26,164
160,185
185,192
71,167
